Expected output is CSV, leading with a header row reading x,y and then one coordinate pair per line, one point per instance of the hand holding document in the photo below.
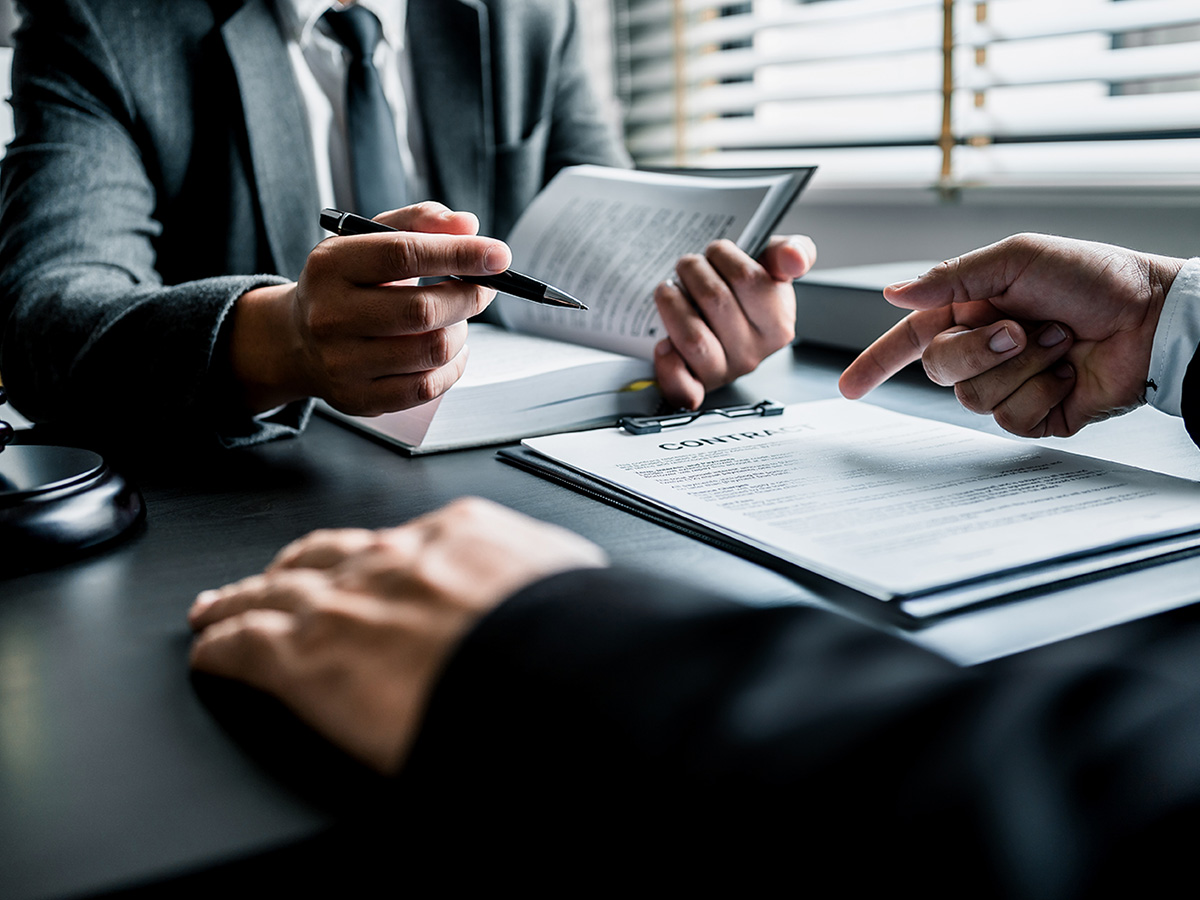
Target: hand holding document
x,y
904,509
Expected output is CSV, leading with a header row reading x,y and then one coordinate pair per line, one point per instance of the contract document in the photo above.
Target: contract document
x,y
929,515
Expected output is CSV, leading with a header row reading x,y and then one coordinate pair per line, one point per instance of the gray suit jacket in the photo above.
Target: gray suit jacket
x,y
162,168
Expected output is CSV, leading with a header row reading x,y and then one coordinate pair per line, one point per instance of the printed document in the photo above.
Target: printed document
x,y
901,508
608,236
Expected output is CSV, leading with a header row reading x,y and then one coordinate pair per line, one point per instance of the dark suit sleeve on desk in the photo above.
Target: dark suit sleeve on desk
x,y
627,717
600,698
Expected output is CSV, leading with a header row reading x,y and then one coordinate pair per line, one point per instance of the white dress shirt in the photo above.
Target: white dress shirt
x,y
1175,339
319,66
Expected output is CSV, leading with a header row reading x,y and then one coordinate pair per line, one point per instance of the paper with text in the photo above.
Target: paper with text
x,y
892,505
609,237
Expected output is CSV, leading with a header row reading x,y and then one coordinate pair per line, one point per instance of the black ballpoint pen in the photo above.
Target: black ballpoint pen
x,y
508,281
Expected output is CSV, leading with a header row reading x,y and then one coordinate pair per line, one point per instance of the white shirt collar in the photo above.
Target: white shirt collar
x,y
298,17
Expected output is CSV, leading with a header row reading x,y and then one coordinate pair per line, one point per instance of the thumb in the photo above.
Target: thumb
x,y
788,256
983,274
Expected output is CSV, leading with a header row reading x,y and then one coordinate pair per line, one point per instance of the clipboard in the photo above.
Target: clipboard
x,y
523,458
1043,579
833,591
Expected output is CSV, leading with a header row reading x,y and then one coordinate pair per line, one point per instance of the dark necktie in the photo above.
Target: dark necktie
x,y
375,168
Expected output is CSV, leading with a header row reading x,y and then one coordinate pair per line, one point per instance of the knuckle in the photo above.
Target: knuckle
x,y
713,298
693,343
428,386
430,208
253,650
909,330
438,350
286,586
425,574
482,296
321,321
778,332
403,257
421,311
720,247
321,623
322,259
933,370
741,271
969,396
467,256
1015,423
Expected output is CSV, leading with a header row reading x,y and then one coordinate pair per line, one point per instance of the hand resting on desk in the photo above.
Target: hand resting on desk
x,y
351,628
1047,334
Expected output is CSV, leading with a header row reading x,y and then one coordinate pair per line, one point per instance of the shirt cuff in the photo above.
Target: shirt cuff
x,y
1175,340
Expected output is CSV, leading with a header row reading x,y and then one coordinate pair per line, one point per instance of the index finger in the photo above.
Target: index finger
x,y
382,258
900,345
431,216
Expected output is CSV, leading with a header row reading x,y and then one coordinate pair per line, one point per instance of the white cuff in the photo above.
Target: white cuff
x,y
1175,340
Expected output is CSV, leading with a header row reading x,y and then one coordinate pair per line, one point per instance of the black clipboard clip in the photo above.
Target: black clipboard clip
x,y
655,424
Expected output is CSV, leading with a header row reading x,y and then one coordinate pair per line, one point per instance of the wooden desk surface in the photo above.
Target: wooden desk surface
x,y
115,769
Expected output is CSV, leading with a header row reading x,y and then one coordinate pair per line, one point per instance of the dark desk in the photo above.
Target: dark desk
x,y
112,769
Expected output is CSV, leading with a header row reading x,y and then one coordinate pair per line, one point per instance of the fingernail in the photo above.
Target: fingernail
x,y
663,347
1001,341
1066,370
901,284
496,259
1051,335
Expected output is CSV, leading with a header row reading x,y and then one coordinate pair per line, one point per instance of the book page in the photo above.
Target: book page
x,y
608,237
892,505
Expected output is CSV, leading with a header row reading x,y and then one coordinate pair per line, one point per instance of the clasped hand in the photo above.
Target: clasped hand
x,y
1046,334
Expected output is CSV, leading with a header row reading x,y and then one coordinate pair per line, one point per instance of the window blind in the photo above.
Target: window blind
x,y
904,92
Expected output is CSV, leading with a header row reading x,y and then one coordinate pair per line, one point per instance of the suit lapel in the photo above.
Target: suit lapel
x,y
276,126
451,57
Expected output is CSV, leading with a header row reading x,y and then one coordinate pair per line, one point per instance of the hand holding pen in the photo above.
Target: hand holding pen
x,y
508,282
358,328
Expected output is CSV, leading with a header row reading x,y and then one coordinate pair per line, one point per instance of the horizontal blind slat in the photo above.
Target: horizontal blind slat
x,y
858,82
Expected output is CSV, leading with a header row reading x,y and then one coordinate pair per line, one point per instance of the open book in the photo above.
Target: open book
x,y
607,236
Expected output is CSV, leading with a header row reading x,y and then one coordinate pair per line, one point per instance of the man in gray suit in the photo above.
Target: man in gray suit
x,y
157,267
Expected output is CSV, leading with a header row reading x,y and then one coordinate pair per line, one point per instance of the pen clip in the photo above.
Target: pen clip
x,y
655,424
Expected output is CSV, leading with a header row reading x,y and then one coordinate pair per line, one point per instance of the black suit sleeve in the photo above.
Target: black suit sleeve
x,y
623,719
1190,399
